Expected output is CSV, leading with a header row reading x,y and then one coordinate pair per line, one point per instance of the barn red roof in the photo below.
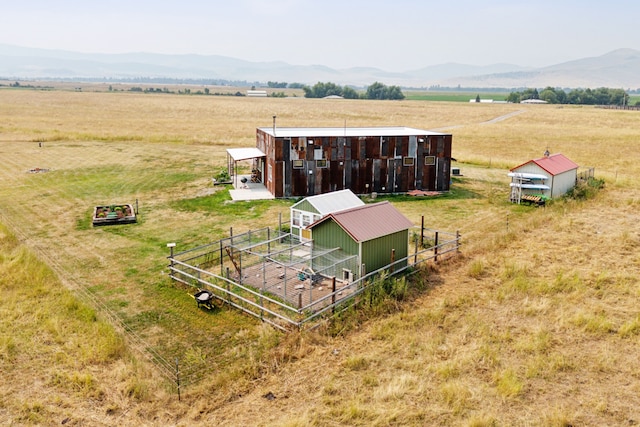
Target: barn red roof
x,y
368,222
555,164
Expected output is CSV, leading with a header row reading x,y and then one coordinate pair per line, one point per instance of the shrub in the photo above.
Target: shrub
x,y
586,189
223,176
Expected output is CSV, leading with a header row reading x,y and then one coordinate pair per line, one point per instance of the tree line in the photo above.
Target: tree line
x,y
599,96
375,91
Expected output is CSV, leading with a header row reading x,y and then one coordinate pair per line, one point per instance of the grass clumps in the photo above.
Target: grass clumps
x,y
508,384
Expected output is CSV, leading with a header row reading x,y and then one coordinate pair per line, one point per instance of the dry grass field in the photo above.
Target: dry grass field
x,y
535,323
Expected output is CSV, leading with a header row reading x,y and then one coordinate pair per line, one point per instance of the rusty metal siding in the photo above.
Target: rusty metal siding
x,y
324,174
358,170
278,173
287,166
373,148
444,163
299,181
311,178
407,174
413,146
428,176
360,163
377,163
337,175
367,177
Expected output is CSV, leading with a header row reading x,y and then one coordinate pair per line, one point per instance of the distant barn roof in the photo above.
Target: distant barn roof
x,y
555,164
533,101
346,131
368,222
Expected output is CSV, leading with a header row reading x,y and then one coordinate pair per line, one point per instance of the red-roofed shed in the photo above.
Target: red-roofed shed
x,y
551,176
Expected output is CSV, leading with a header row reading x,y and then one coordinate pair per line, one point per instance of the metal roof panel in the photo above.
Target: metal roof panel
x,y
346,132
368,222
555,164
334,201
238,154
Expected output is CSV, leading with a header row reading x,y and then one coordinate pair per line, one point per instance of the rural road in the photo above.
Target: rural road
x,y
494,120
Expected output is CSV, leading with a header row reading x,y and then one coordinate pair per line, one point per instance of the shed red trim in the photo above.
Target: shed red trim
x,y
554,164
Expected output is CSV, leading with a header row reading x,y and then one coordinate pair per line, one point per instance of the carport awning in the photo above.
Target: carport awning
x,y
238,154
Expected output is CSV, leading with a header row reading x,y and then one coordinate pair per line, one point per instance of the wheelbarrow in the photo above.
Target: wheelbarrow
x,y
205,298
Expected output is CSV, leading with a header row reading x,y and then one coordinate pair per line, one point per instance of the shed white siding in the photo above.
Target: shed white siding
x,y
558,184
563,182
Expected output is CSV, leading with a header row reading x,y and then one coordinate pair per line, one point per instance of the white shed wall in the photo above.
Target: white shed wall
x,y
563,183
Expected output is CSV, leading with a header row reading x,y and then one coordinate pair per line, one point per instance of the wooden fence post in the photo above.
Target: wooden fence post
x,y
457,241
435,249
178,378
228,288
221,259
264,285
333,294
393,260
284,281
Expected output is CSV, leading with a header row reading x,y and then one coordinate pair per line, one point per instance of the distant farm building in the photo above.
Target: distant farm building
x,y
300,162
547,177
314,208
257,93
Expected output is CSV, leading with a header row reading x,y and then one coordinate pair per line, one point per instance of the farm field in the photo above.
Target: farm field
x,y
453,96
536,323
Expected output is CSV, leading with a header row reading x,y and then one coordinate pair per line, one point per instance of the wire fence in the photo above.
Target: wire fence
x,y
288,283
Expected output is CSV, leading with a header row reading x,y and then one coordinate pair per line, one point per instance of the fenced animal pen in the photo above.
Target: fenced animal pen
x,y
288,283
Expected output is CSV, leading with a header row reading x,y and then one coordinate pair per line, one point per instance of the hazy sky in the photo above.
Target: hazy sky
x,y
394,35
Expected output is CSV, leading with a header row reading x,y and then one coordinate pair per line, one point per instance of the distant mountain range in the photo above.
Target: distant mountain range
x,y
617,69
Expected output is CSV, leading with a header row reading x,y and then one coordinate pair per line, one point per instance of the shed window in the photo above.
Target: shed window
x,y
430,160
298,164
321,164
306,220
408,161
296,218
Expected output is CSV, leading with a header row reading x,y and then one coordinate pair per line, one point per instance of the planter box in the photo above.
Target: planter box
x,y
113,215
